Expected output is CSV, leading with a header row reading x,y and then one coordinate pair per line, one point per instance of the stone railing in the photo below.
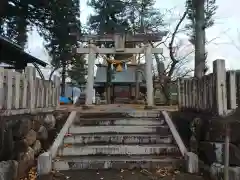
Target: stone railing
x,y
22,93
215,92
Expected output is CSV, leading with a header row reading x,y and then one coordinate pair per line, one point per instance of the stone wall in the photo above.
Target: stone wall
x,y
210,137
22,139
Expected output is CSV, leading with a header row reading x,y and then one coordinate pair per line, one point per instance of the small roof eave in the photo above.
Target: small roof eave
x,y
9,51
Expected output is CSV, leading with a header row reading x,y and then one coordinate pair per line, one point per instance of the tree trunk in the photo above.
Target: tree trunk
x,y
200,39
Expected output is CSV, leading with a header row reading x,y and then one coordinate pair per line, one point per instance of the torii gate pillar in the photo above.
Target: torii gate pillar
x,y
90,79
149,77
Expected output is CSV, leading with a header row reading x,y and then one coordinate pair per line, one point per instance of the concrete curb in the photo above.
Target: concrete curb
x,y
44,166
190,157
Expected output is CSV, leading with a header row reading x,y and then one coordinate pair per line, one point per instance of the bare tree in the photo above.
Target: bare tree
x,y
180,55
174,64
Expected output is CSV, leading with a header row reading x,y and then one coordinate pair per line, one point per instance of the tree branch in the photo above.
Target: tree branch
x,y
171,53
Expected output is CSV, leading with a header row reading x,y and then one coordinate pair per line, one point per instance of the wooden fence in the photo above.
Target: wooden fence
x,y
22,93
215,92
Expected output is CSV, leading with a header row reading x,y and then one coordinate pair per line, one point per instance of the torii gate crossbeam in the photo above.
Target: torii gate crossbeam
x,y
119,41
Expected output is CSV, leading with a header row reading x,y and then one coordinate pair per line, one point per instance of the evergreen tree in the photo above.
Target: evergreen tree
x,y
144,17
17,16
210,10
64,19
109,16
78,71
54,20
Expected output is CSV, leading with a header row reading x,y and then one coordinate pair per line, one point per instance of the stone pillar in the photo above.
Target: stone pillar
x,y
232,89
149,75
90,78
219,72
134,59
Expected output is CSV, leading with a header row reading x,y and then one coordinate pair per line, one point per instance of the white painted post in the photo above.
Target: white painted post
x,y
46,86
179,93
187,93
38,92
17,90
1,88
50,93
204,78
219,71
194,98
90,78
44,165
210,91
200,94
54,94
31,76
42,94
232,89
56,80
149,80
181,96
198,90
9,75
25,92
190,92
192,162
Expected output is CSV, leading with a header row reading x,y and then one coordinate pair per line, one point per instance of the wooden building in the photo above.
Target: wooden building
x,y
126,85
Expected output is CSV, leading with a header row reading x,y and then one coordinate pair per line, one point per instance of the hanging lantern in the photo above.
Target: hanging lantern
x,y
119,68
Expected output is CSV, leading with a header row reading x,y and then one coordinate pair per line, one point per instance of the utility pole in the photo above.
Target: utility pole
x,y
200,38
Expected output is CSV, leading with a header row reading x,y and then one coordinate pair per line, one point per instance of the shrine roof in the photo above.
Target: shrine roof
x,y
13,54
126,76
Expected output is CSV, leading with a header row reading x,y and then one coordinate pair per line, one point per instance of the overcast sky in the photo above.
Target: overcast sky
x,y
225,37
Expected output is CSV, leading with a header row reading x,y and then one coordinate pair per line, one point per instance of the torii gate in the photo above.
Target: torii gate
x,y
120,41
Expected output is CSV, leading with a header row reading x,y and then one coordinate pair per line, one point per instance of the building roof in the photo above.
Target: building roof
x,y
126,76
13,54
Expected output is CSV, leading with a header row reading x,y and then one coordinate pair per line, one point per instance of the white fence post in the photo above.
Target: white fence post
x,y
187,93
9,90
181,93
57,90
194,87
17,76
1,88
31,76
232,89
219,71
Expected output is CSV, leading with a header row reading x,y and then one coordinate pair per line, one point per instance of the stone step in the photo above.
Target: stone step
x,y
154,149
160,129
121,113
119,121
118,139
116,162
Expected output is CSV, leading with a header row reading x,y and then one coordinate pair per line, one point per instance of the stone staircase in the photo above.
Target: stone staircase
x,y
114,140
